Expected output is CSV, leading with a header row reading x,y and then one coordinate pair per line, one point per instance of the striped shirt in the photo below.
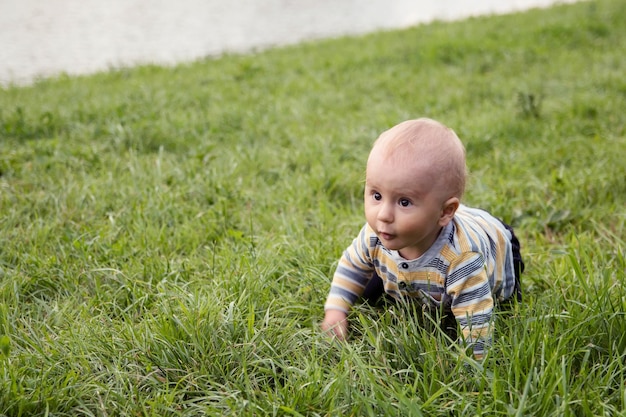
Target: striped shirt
x,y
469,265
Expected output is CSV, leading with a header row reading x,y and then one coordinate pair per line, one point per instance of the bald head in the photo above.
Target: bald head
x,y
429,146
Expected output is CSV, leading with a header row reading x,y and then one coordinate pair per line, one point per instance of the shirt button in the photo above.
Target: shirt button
x,y
404,265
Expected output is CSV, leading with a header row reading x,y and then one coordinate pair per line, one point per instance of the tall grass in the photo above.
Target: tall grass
x,y
168,235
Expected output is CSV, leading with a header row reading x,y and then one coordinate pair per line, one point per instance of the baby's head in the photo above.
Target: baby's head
x,y
429,147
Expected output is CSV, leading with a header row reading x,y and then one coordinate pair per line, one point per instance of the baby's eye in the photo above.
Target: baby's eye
x,y
377,196
404,202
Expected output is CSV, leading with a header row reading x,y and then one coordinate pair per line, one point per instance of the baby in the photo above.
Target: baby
x,y
420,242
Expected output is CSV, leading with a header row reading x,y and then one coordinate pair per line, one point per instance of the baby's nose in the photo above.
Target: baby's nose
x,y
385,213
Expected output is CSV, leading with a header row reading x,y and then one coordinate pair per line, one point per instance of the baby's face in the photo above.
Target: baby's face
x,y
402,204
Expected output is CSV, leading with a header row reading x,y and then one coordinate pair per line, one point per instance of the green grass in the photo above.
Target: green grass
x,y
168,235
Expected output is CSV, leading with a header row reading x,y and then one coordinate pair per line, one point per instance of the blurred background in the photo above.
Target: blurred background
x,y
43,38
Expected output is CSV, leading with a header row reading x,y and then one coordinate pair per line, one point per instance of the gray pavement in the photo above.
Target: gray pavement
x,y
41,38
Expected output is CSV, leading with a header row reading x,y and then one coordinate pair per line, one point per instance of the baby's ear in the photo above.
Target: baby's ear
x,y
448,209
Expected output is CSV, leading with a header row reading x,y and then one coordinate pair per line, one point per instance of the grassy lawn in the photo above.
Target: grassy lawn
x,y
168,235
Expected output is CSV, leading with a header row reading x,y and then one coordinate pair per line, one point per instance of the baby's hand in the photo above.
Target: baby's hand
x,y
335,323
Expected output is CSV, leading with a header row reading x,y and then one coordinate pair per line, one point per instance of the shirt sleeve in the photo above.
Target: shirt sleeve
x,y
354,270
472,301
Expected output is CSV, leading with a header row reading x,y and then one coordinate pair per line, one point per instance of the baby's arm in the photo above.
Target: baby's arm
x,y
353,272
335,323
472,301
